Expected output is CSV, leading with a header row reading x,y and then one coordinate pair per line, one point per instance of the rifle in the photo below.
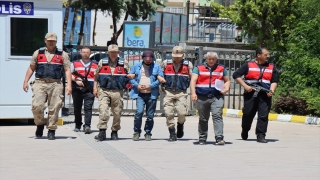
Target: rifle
x,y
85,81
258,88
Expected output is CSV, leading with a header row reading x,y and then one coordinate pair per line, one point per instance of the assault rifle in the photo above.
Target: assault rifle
x,y
258,88
85,82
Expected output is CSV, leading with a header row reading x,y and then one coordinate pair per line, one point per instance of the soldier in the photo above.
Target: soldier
x,y
109,83
261,73
177,74
82,89
49,63
209,83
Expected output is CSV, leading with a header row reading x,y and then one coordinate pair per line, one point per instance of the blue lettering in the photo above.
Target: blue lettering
x,y
135,42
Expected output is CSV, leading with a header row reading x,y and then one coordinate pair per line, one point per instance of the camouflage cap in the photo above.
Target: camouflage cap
x,y
51,36
177,51
113,47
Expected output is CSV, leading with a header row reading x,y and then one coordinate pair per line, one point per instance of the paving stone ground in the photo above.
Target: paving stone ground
x,y
293,152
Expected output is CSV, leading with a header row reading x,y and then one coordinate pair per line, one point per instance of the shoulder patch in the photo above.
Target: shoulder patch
x,y
105,61
41,50
186,62
120,61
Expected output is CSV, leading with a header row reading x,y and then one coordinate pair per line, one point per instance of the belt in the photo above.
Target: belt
x,y
46,80
112,90
176,90
207,95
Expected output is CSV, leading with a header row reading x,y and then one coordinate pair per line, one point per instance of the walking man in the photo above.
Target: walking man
x,y
110,81
261,73
177,74
209,83
146,91
82,89
49,63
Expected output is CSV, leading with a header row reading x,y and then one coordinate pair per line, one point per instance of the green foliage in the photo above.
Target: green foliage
x,y
269,21
301,66
290,29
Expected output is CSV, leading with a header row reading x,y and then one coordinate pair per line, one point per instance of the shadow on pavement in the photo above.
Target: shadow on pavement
x,y
212,143
269,140
57,137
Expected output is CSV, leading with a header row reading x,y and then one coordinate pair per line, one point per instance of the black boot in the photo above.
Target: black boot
x,y
39,131
180,132
51,135
101,136
244,134
261,139
173,136
114,135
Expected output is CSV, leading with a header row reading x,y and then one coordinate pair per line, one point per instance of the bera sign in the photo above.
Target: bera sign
x,y
16,8
136,35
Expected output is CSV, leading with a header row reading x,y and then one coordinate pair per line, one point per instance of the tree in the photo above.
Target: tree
x,y
66,17
300,78
269,21
116,8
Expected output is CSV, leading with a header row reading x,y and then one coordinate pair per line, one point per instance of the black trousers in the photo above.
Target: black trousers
x,y
262,104
86,99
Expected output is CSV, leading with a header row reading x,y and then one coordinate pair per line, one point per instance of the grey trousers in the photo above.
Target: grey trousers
x,y
205,105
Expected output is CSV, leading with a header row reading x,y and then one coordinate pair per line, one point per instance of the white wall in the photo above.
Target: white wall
x,y
14,102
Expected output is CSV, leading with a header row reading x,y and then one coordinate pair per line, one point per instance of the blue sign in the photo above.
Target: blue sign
x,y
136,35
16,8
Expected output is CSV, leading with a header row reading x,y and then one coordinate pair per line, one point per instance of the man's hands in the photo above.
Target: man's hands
x,y
194,97
144,87
25,86
131,76
69,89
270,94
161,79
95,92
224,91
248,88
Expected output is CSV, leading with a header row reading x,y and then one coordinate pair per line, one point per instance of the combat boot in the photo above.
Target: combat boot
x,y
51,135
180,132
39,131
114,135
101,136
173,136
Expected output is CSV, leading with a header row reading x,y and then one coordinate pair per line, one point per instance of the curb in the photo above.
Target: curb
x,y
277,117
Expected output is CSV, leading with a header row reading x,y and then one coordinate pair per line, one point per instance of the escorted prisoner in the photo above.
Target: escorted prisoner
x,y
109,83
209,83
177,73
146,91
49,63
261,73
82,89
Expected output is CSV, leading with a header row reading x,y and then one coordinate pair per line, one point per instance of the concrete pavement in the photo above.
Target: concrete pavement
x,y
293,152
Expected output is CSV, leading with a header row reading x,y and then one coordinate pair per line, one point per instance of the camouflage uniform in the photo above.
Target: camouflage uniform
x,y
110,98
175,99
47,93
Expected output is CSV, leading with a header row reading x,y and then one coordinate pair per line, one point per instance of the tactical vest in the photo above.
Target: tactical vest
x,y
82,70
116,81
254,73
207,79
52,69
179,80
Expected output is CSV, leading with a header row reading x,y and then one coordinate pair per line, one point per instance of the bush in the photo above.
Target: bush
x,y
291,105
